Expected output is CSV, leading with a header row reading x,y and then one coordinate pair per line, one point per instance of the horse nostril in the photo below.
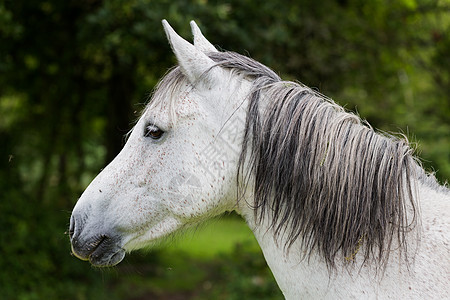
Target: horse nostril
x,y
76,226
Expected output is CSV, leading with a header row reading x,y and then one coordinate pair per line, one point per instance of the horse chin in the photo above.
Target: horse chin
x,y
108,259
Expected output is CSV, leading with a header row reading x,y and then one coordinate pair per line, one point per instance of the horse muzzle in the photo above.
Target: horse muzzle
x,y
101,250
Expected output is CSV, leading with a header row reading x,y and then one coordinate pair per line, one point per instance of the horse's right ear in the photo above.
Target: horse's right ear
x,y
195,65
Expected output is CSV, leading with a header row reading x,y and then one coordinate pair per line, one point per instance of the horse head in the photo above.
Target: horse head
x,y
178,165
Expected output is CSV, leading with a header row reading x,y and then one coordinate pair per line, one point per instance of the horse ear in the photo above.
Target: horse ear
x,y
200,42
193,62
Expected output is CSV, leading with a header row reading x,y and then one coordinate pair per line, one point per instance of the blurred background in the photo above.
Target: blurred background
x,y
74,76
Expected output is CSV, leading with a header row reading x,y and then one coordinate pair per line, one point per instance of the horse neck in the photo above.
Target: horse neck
x,y
310,277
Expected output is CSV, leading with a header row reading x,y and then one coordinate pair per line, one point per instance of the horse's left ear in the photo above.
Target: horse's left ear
x,y
193,62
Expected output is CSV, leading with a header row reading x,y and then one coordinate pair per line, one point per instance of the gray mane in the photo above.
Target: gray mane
x,y
324,176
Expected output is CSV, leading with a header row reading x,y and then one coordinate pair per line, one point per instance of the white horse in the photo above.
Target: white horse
x,y
339,210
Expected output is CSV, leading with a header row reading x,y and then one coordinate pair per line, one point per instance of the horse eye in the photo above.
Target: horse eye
x,y
153,132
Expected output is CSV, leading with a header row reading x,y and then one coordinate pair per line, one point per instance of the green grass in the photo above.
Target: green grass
x,y
218,236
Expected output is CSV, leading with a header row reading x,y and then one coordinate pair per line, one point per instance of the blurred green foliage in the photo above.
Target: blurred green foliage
x,y
75,74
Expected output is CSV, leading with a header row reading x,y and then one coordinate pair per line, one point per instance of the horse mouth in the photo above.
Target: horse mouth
x,y
102,251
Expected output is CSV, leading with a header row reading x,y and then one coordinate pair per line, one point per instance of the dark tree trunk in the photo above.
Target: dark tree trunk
x,y
121,89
